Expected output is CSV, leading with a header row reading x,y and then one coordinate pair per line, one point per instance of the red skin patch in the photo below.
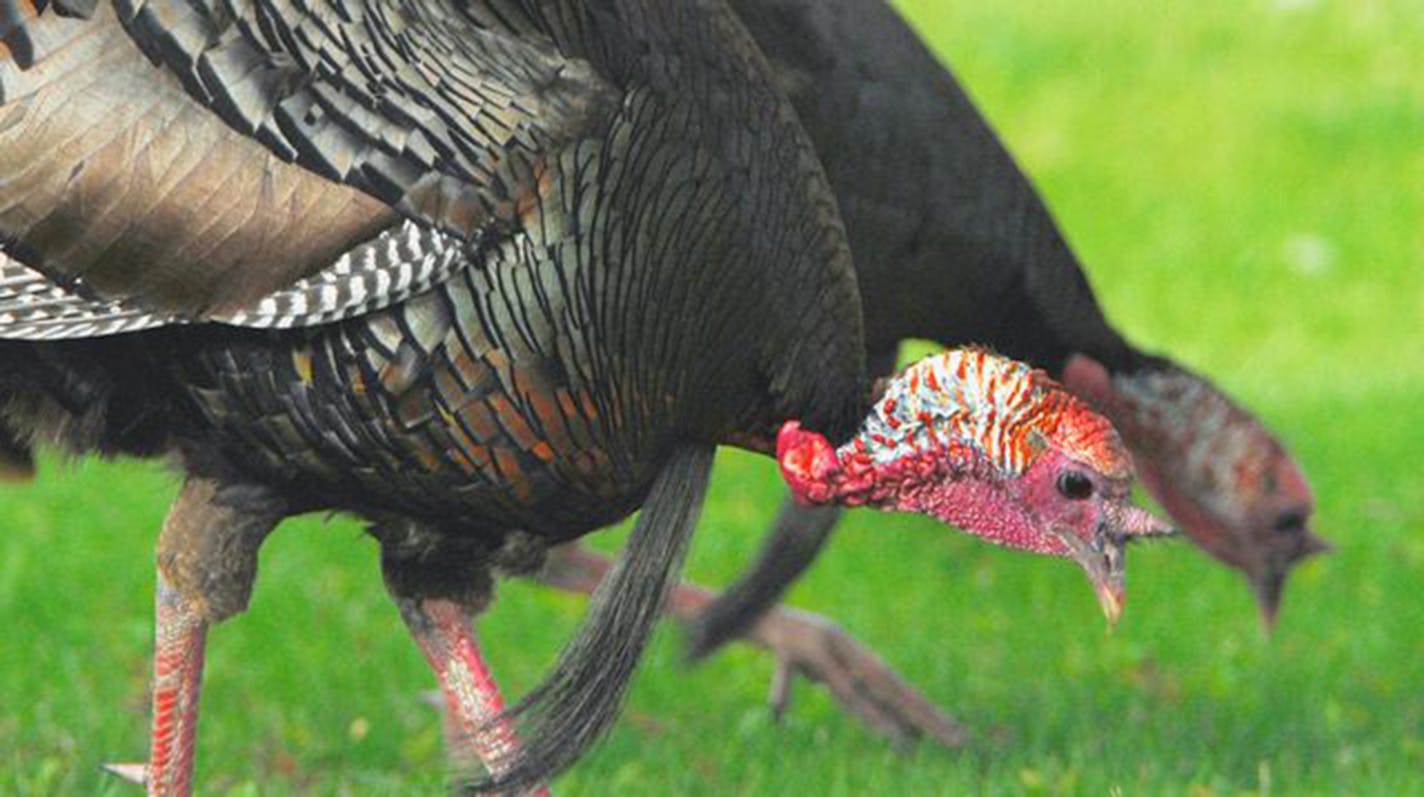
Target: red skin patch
x,y
807,462
951,483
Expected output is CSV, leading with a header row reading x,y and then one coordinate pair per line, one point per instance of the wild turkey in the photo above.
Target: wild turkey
x,y
952,244
490,275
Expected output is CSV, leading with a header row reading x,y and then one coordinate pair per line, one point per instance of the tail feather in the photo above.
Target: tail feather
x,y
798,536
580,698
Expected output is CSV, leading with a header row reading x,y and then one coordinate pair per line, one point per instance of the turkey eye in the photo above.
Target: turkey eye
x,y
1075,485
1290,522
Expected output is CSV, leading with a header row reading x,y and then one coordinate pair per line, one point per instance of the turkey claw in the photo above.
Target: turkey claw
x,y
136,774
809,645
803,643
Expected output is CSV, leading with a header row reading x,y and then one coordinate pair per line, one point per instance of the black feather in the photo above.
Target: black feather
x,y
580,698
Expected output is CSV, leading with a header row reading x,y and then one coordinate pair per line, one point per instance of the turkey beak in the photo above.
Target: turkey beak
x,y
1269,580
1104,558
1103,561
1111,587
1269,584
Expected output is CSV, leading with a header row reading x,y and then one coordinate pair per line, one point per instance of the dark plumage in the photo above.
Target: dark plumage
x,y
590,242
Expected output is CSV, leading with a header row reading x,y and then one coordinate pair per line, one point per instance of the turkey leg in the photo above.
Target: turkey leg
x,y
803,643
474,727
207,563
797,536
180,639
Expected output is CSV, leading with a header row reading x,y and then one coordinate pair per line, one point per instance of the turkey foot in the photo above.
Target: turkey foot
x,y
804,644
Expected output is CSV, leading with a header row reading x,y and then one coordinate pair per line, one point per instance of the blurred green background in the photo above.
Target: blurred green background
x,y
1244,180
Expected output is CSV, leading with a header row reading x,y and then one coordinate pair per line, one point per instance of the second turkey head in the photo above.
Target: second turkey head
x,y
993,447
1214,466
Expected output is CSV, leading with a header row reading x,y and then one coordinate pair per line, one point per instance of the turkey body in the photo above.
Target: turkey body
x,y
482,273
600,302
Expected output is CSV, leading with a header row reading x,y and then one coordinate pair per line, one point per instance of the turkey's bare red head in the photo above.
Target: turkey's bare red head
x,y
1213,466
991,446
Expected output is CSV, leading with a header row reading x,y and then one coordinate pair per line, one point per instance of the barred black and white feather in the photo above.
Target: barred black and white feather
x,y
34,307
396,265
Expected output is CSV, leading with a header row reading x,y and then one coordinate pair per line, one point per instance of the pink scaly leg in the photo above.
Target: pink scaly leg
x,y
442,628
177,678
207,562
181,637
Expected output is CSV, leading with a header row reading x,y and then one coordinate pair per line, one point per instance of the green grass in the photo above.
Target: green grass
x,y
1245,180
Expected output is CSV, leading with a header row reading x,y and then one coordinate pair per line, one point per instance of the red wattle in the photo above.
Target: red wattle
x,y
807,462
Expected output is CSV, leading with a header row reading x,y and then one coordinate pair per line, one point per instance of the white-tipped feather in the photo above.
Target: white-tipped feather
x,y
399,263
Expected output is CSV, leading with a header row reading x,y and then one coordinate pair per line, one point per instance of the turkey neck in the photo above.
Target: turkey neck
x,y
783,332
950,240
681,274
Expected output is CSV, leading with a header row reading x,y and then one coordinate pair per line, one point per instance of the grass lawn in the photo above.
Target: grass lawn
x,y
1244,179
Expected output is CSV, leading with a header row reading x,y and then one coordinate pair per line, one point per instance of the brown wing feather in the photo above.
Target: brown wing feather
x,y
194,161
113,175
